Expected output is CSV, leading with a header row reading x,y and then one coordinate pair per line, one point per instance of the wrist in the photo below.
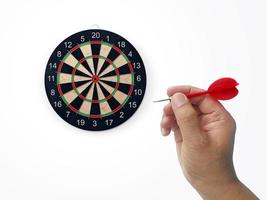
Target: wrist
x,y
215,182
220,190
233,190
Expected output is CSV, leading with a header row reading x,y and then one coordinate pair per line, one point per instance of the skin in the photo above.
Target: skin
x,y
204,134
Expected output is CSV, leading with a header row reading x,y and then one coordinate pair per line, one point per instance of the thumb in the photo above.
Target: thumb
x,y
186,117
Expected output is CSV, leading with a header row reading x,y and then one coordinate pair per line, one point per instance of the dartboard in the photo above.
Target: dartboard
x,y
95,80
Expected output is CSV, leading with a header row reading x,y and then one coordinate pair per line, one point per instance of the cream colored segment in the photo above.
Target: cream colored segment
x,y
71,60
99,65
120,61
70,96
85,107
83,69
126,79
99,92
91,64
87,51
107,87
104,51
81,78
120,96
109,78
81,88
107,70
104,108
64,78
90,92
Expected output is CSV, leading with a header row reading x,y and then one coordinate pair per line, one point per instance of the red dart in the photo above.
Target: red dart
x,y
221,89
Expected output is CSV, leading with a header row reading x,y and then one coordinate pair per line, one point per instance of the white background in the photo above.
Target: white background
x,y
181,42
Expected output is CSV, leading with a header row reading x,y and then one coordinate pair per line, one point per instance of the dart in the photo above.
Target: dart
x,y
221,89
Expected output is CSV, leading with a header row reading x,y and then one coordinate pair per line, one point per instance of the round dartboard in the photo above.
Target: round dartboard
x,y
95,80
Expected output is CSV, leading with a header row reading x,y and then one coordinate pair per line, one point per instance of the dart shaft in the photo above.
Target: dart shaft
x,y
197,94
187,95
161,100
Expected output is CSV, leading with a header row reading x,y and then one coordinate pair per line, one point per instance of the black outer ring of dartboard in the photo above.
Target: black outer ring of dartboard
x,y
102,122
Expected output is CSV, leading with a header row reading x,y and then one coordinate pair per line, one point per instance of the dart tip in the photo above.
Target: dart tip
x,y
161,100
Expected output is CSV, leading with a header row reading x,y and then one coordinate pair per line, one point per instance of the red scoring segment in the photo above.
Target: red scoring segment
x,y
95,78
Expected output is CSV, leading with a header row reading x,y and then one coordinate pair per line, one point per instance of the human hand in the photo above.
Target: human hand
x,y
204,134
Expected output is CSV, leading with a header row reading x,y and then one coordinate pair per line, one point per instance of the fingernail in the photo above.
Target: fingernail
x,y
164,131
179,99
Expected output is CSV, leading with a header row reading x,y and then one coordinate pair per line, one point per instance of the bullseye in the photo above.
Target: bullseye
x,y
95,78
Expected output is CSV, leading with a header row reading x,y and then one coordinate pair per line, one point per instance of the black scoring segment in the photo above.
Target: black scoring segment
x,y
112,73
76,103
66,69
125,88
95,95
78,54
85,92
79,73
113,103
124,69
105,92
110,83
95,51
66,87
85,64
80,83
113,54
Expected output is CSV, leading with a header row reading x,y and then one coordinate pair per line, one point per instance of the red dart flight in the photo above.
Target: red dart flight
x,y
221,89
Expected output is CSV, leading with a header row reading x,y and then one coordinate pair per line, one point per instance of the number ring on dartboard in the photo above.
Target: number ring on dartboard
x,y
95,80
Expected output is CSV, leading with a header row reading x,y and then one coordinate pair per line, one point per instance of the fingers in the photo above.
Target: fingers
x,y
182,116
185,89
167,110
168,124
177,134
186,117
205,104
